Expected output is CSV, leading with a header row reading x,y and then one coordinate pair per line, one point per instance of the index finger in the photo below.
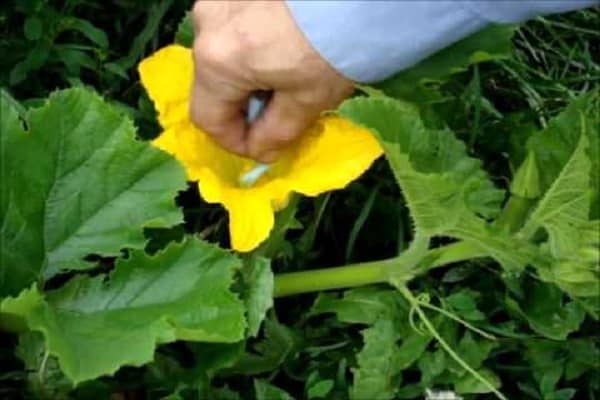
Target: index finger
x,y
217,105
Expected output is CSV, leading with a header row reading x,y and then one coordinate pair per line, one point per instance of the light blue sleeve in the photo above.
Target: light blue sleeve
x,y
369,40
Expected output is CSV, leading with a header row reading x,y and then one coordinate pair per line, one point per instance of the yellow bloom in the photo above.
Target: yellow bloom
x,y
329,156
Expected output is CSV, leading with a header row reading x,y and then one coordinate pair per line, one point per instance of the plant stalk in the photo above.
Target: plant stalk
x,y
361,274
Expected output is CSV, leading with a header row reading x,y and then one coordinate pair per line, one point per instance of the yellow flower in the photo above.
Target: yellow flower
x,y
331,154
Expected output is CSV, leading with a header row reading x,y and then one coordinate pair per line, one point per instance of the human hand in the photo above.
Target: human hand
x,y
245,46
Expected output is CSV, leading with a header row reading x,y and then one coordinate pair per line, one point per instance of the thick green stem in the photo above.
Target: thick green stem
x,y
332,278
315,280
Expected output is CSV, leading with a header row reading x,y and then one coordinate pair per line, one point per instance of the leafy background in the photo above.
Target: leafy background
x,y
362,343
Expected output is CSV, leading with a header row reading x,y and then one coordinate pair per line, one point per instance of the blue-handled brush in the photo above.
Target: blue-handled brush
x,y
256,105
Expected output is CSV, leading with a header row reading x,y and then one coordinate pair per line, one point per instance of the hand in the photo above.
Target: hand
x,y
245,46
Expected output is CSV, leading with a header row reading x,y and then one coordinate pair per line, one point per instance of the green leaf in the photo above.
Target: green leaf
x,y
266,391
442,185
185,31
546,361
76,182
578,274
45,379
155,13
489,44
87,29
34,60
562,394
584,355
279,343
473,352
526,182
571,140
73,60
546,311
213,357
33,28
116,69
378,373
432,364
258,294
469,384
447,192
569,163
564,208
412,348
361,306
276,245
554,146
96,325
465,305
317,387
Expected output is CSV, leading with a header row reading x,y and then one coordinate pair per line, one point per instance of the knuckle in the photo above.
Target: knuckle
x,y
197,10
215,53
207,123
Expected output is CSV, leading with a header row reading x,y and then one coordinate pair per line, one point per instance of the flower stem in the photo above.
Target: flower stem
x,y
353,275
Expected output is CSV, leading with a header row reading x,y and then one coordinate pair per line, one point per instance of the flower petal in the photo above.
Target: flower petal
x,y
196,151
250,217
330,155
216,171
167,76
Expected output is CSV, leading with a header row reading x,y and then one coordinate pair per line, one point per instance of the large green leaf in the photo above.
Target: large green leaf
x,y
76,182
567,154
257,278
568,161
564,208
96,325
555,144
447,192
442,185
411,84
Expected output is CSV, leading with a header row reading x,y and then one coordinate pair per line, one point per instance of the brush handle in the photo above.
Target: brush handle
x,y
256,106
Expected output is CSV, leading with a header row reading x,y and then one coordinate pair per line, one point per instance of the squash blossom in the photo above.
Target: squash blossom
x,y
331,154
